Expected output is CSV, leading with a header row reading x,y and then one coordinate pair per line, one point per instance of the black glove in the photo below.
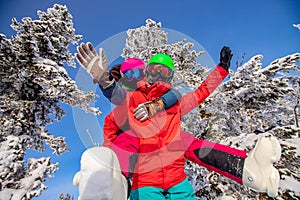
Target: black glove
x,y
225,57
115,72
108,78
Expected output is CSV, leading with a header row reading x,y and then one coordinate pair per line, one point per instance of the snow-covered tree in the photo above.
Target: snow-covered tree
x,y
145,41
33,84
255,100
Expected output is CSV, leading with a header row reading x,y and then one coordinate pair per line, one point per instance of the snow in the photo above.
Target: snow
x,y
295,142
288,182
291,182
33,85
297,26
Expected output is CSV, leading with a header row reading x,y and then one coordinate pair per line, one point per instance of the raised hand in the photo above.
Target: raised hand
x,y
225,57
93,63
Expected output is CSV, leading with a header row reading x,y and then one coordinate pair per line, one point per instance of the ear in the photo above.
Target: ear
x,y
76,179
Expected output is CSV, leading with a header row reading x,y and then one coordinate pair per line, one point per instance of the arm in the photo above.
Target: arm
x,y
170,98
188,102
115,93
113,123
193,99
110,130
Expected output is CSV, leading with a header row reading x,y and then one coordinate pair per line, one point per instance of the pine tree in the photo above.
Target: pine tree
x,y
33,83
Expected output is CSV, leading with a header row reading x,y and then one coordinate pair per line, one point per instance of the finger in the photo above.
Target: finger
x,y
140,110
116,75
144,118
81,60
92,49
222,53
140,113
82,52
115,72
137,108
86,51
223,49
138,117
228,51
141,117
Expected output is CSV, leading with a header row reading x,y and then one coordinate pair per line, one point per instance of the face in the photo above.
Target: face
x,y
137,74
131,77
158,72
165,71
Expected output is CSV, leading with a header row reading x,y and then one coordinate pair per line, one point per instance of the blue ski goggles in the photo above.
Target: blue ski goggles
x,y
134,74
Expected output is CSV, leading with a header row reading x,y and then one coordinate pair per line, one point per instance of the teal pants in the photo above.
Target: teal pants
x,y
183,190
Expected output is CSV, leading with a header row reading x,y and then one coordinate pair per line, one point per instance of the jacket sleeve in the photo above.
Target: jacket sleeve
x,y
170,98
193,99
115,93
112,123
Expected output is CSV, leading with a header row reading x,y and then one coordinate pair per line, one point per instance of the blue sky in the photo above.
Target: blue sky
x,y
251,27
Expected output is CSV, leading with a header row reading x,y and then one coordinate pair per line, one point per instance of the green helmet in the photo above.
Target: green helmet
x,y
162,59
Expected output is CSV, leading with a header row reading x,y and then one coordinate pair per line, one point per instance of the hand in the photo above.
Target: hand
x,y
88,58
148,109
225,57
115,72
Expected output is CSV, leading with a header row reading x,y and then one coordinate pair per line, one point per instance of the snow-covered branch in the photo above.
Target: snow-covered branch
x,y
297,26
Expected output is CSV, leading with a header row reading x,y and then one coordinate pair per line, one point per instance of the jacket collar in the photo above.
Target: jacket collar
x,y
157,88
